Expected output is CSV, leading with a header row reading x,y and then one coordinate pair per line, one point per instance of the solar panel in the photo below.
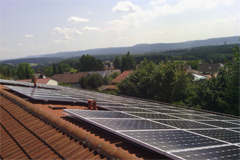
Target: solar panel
x,y
222,134
164,110
235,129
218,117
191,112
153,115
128,109
236,122
221,124
98,114
160,127
43,94
184,124
219,152
172,140
130,124
191,116
26,84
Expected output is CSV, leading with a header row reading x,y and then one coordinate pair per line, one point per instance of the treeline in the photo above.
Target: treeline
x,y
84,63
207,54
39,61
168,83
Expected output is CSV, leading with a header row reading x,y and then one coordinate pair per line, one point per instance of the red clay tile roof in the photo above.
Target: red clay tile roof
x,y
24,136
121,77
38,80
69,77
37,130
214,67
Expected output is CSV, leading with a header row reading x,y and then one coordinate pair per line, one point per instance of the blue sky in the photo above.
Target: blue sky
x,y
45,27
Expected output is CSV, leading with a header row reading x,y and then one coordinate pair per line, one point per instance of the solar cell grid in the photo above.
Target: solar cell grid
x,y
191,112
128,109
218,117
144,107
235,129
191,116
130,124
235,122
222,134
98,114
222,152
164,110
183,124
221,124
109,104
153,115
172,140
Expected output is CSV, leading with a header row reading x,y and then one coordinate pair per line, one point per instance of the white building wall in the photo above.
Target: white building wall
x,y
52,82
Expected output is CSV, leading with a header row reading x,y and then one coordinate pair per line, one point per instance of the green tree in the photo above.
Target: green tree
x,y
128,62
114,75
125,65
117,62
159,82
65,67
60,70
106,80
48,71
94,80
90,63
54,69
21,71
24,71
83,82
193,64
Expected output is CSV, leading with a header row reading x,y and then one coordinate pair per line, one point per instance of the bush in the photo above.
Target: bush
x,y
93,81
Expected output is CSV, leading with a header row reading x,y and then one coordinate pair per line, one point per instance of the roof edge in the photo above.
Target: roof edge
x,y
86,138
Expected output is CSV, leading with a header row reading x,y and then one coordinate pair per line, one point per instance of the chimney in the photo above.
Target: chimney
x,y
90,104
34,82
95,105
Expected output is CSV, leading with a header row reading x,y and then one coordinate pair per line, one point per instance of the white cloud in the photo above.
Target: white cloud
x,y
65,31
157,2
91,28
65,34
160,8
29,35
165,9
3,49
126,6
57,42
89,12
19,44
77,19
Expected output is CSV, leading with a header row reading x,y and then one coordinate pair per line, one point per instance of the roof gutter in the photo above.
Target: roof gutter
x,y
92,141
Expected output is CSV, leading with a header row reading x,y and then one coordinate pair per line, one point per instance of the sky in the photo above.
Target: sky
x,y
37,27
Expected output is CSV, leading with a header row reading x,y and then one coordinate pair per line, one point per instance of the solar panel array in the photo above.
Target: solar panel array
x,y
175,132
26,84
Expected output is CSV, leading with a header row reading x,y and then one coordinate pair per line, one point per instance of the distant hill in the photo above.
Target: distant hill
x,y
141,48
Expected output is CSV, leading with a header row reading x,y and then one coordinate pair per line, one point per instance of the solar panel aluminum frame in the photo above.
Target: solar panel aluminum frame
x,y
46,100
120,134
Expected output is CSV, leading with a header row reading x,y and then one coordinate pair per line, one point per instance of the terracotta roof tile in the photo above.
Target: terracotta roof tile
x,y
121,77
209,67
27,137
69,77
